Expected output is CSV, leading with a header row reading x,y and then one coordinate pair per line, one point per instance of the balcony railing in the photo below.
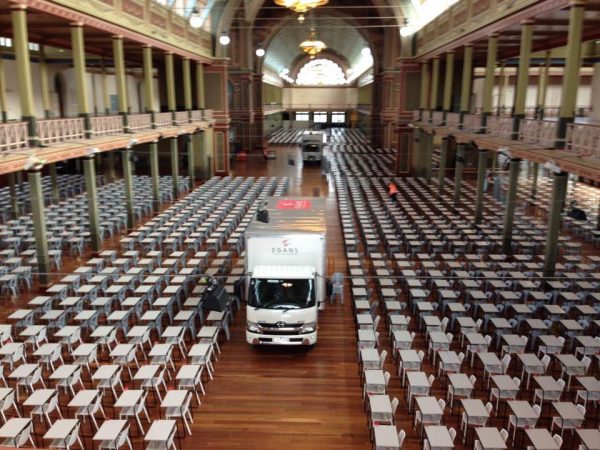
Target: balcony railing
x,y
472,123
538,132
416,115
583,140
207,114
53,131
163,119
500,126
196,115
426,116
107,125
13,136
452,120
437,117
182,117
139,122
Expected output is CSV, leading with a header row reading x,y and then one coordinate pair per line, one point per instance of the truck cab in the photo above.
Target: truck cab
x,y
282,305
312,143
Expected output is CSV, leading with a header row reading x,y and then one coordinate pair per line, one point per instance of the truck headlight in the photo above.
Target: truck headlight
x,y
309,327
251,326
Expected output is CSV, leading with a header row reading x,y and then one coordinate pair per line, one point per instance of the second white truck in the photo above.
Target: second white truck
x,y
312,143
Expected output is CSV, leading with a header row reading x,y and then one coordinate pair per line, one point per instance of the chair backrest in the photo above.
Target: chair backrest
x,y
394,403
387,377
558,440
504,434
562,340
479,323
473,380
376,322
488,339
431,380
561,382
461,357
586,361
517,381
489,407
524,339
537,409
442,404
401,437
412,335
450,337
8,401
581,409
382,358
452,433
444,323
337,278
506,362
546,362
421,355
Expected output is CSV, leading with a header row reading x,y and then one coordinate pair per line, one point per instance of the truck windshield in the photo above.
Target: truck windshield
x,y
310,148
281,294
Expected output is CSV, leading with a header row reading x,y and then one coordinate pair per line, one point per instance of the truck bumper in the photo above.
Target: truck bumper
x,y
270,339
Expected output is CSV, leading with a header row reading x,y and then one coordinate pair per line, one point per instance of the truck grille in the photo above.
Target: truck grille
x,y
281,328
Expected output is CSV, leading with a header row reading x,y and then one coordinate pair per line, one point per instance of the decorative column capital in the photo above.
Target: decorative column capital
x,y
76,24
18,7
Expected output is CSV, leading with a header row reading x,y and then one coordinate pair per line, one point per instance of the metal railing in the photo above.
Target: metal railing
x,y
139,122
499,126
106,125
472,123
452,120
538,132
13,136
583,140
163,119
182,117
53,131
437,117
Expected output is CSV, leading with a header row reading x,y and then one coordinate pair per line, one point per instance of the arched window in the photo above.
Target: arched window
x,y
321,72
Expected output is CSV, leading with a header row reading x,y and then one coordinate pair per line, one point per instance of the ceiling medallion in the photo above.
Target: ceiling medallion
x,y
312,45
301,6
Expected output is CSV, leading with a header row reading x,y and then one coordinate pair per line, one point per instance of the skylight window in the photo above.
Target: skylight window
x,y
321,72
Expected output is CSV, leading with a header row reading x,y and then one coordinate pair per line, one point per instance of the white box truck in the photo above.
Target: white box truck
x,y
285,270
311,144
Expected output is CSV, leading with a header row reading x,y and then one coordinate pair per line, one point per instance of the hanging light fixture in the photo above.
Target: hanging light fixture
x,y
312,46
195,18
224,38
301,18
301,6
260,51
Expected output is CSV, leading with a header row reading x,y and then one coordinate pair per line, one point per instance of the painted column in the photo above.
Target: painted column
x,y
435,79
522,75
467,79
154,176
148,80
78,50
534,181
458,172
542,89
121,78
481,174
128,177
448,81
44,85
424,85
509,212
187,84
200,86
428,143
3,104
14,199
189,141
89,171
502,88
25,84
105,95
170,79
443,158
488,82
568,100
559,191
40,233
54,184
174,165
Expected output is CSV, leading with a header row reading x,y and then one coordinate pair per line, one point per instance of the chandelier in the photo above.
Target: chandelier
x,y
301,6
312,45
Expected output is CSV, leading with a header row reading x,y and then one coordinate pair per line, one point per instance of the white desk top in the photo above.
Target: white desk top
x,y
110,430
